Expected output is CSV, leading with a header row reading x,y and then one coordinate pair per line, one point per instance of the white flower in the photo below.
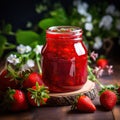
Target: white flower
x,y
82,8
24,67
88,17
94,56
85,5
13,59
82,11
106,22
29,24
98,43
109,69
30,63
118,24
98,71
38,49
110,9
23,49
27,49
89,26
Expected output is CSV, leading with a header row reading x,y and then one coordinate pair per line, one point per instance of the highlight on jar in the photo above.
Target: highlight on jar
x,y
64,59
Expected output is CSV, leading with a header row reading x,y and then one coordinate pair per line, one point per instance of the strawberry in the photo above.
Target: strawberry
x,y
31,80
108,99
84,104
37,95
16,100
102,62
7,80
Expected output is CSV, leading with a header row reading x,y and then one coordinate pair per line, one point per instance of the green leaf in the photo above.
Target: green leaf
x,y
48,22
42,38
27,37
3,40
60,16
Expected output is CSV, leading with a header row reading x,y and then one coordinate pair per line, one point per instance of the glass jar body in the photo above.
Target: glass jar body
x,y
64,61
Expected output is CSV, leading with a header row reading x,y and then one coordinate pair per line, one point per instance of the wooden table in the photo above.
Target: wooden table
x,y
64,112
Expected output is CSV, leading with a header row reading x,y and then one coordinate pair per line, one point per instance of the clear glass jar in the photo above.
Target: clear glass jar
x,y
64,59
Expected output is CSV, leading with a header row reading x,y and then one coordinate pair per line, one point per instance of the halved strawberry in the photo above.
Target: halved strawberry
x,y
37,95
84,104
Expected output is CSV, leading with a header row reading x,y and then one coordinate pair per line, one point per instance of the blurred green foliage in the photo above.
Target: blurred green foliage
x,y
59,16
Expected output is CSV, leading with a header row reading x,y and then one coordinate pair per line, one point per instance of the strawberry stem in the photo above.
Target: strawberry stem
x,y
93,78
12,72
38,63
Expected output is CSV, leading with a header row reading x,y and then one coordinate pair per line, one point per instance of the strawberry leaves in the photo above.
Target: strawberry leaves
x,y
109,87
38,95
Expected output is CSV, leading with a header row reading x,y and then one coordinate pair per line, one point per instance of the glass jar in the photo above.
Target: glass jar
x,y
64,59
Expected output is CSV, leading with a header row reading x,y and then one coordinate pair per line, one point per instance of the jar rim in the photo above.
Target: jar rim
x,y
64,30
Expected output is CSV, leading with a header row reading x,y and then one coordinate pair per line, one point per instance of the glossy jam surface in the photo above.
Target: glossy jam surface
x,y
64,60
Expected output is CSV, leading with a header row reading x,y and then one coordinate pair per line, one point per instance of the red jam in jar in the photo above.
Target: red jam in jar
x,y
64,59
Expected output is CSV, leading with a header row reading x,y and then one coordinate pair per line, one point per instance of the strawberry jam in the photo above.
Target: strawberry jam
x,y
64,59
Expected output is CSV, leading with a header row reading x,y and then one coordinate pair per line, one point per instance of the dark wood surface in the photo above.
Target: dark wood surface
x,y
65,113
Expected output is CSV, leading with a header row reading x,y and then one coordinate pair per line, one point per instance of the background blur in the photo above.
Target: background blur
x,y
25,22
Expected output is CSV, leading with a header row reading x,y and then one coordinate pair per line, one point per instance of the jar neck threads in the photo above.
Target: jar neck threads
x,y
64,32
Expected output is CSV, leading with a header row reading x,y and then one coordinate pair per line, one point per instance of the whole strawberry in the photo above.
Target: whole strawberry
x,y
102,62
7,80
37,95
31,80
16,100
84,104
108,99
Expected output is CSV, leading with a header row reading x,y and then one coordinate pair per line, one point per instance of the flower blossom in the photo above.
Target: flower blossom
x,y
98,43
98,71
110,9
38,49
106,22
110,69
81,7
94,55
89,26
13,59
28,49
23,49
29,64
88,17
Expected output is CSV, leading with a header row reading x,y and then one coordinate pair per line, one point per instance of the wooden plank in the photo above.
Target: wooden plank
x,y
116,112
